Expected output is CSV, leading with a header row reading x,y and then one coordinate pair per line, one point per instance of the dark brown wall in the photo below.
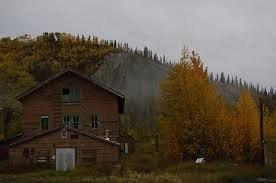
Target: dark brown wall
x,y
93,99
105,153
130,141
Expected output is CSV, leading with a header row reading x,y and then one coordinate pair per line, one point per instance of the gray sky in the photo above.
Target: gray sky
x,y
234,36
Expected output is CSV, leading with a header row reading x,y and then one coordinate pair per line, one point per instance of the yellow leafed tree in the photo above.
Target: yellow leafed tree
x,y
246,133
191,113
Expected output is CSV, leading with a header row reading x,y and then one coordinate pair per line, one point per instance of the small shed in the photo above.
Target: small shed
x,y
127,143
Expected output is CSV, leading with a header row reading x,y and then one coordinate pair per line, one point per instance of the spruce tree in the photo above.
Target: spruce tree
x,y
222,78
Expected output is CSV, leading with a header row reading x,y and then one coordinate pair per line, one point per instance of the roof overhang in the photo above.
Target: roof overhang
x,y
28,139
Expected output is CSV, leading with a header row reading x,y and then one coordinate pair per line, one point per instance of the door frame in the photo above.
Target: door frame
x,y
75,155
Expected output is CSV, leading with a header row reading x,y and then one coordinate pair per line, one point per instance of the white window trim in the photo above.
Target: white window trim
x,y
126,148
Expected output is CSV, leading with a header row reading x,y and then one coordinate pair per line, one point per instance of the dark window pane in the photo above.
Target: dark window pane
x,y
76,125
44,123
92,125
65,91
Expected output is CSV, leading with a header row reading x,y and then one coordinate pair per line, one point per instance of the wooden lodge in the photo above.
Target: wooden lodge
x,y
68,120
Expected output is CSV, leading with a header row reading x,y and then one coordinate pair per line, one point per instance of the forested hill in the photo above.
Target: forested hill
x,y
25,61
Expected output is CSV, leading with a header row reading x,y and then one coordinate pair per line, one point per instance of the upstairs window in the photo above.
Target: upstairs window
x,y
70,95
94,123
75,121
72,120
44,123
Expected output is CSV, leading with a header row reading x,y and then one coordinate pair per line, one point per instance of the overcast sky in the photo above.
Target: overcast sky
x,y
234,36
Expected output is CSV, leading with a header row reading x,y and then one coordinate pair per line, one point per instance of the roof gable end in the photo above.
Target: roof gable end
x,y
29,91
121,97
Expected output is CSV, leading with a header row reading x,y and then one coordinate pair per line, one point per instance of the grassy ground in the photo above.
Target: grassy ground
x,y
145,166
182,172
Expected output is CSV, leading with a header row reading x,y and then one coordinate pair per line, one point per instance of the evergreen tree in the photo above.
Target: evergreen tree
x,y
211,77
236,81
164,59
146,52
217,78
222,78
271,92
228,79
240,83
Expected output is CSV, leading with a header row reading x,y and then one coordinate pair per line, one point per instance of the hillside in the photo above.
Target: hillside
x,y
26,60
137,78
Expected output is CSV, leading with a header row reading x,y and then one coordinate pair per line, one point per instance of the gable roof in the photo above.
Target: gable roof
x,y
28,139
120,96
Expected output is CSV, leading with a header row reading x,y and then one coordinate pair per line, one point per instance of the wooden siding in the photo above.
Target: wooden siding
x,y
93,99
2,125
105,153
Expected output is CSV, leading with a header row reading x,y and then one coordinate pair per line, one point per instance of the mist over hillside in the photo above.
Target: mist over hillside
x,y
137,78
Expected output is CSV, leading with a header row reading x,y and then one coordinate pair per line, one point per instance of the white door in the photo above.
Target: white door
x,y
65,159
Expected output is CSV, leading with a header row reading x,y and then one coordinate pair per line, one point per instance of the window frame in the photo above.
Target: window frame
x,y
42,117
71,118
93,122
72,97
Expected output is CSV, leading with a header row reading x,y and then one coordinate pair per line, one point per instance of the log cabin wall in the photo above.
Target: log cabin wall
x,y
93,100
88,150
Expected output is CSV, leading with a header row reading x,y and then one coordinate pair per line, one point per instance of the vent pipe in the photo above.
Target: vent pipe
x,y
106,134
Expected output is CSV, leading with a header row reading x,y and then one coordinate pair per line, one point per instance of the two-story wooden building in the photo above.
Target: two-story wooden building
x,y
69,120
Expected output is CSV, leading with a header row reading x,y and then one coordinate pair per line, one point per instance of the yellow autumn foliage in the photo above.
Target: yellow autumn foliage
x,y
195,122
190,111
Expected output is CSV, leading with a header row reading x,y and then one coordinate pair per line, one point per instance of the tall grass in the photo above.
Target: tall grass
x,y
147,166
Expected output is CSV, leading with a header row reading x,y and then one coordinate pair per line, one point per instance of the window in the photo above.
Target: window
x,y
44,123
76,121
94,121
73,120
70,95
66,120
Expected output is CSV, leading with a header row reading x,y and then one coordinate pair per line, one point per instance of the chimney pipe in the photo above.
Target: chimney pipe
x,y
106,134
